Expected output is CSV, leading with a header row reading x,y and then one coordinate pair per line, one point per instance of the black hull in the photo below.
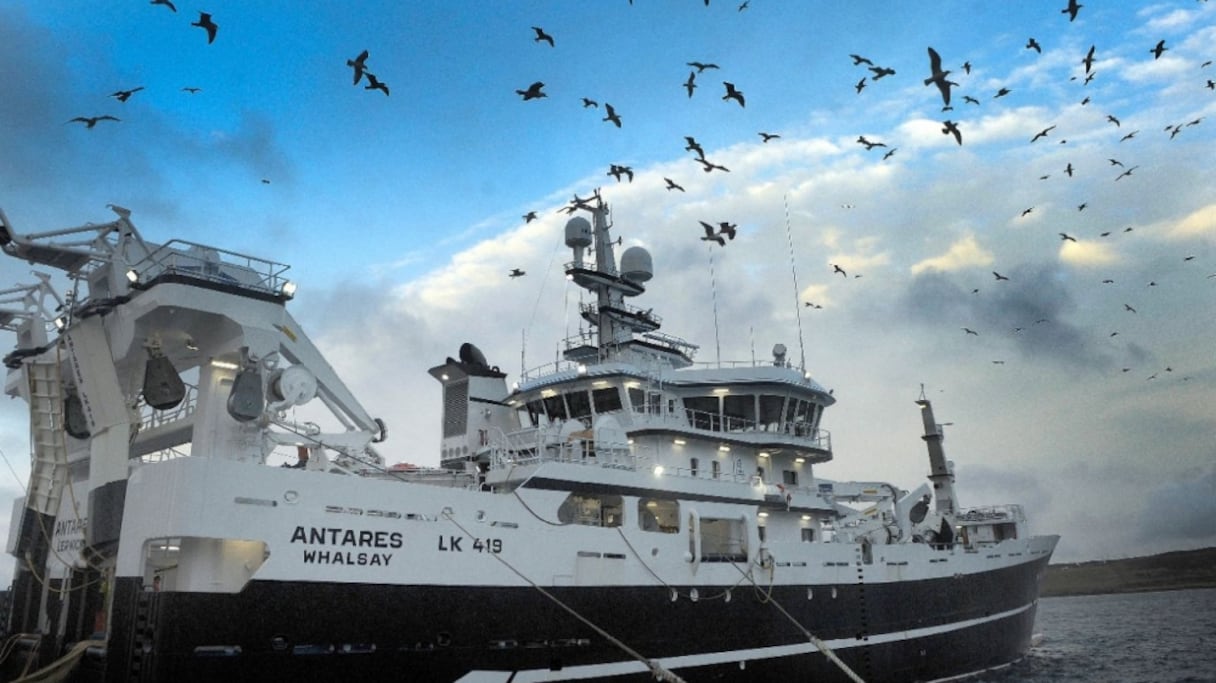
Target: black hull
x,y
907,631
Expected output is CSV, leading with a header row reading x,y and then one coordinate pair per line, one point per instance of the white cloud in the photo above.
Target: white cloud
x,y
964,253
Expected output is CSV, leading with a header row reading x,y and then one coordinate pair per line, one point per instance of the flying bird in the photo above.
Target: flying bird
x,y
1129,136
701,66
968,330
533,92
712,167
1042,134
950,127
1112,119
529,217
861,85
727,228
166,3
691,84
204,22
590,103
1089,59
359,64
694,146
838,269
1033,44
1068,169
1126,307
617,171
1001,93
1072,9
1027,211
861,139
881,71
938,76
1158,49
998,276
1127,172
732,93
612,115
191,90
710,235
765,137
90,121
374,83
970,100
672,185
124,95
967,68
516,272
541,35
1067,238
858,59
889,154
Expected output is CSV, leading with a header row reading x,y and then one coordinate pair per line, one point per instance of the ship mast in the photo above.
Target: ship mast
x,y
939,468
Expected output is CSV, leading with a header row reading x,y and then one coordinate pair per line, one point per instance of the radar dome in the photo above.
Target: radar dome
x,y
578,232
636,264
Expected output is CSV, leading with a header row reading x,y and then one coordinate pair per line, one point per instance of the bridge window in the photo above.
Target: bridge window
x,y
606,400
579,403
555,407
703,412
739,412
770,412
591,509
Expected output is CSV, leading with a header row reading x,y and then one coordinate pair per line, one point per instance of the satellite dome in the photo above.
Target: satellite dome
x,y
636,265
578,232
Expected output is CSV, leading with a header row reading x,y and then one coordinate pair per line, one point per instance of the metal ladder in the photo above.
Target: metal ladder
x,y
48,449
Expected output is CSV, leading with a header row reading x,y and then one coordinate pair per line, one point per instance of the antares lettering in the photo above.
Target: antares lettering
x,y
361,538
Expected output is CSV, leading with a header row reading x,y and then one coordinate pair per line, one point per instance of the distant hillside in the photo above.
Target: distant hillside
x,y
1167,571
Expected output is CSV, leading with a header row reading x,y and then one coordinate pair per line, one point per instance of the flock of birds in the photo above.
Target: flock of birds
x,y
721,232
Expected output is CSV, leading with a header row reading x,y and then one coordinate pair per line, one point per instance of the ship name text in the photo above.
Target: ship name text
x,y
343,539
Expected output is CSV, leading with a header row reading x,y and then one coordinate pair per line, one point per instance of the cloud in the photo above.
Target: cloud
x,y
964,253
1088,253
1198,223
1183,509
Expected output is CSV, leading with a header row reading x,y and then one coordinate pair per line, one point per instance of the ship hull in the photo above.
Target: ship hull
x,y
900,631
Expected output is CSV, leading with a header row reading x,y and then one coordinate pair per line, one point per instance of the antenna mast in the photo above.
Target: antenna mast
x,y
789,236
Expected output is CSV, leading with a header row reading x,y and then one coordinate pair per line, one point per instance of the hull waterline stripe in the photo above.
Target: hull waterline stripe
x,y
689,661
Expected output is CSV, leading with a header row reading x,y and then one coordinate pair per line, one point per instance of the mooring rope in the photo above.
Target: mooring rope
x,y
823,647
660,673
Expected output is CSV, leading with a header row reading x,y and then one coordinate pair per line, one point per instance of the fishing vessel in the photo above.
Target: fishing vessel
x,y
208,501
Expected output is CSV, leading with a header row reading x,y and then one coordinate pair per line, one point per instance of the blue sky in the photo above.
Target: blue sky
x,y
401,214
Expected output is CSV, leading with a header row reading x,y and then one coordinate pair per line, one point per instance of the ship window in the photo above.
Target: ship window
x,y
724,540
590,509
637,400
606,400
580,404
555,407
789,477
798,417
661,516
535,410
808,535
694,465
770,412
716,469
702,412
739,412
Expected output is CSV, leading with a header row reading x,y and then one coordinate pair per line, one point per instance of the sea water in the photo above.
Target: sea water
x,y
1161,637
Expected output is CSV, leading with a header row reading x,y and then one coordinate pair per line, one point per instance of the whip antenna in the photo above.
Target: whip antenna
x,y
713,288
794,272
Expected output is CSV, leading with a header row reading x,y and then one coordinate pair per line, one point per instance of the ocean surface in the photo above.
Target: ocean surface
x,y
1163,637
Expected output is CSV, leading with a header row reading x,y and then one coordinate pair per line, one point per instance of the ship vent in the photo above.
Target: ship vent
x,y
455,408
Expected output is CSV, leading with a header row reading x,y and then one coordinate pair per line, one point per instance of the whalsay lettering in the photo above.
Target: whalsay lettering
x,y
333,536
345,557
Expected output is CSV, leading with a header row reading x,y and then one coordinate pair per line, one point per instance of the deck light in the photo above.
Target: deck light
x,y
288,289
132,275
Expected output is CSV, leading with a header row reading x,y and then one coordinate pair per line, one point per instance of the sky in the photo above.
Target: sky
x,y
402,214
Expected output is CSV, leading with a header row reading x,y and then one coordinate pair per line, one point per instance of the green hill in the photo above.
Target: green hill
x,y
1167,571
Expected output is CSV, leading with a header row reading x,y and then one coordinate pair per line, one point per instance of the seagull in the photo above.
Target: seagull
x,y
1033,44
617,171
880,71
1001,93
700,66
124,95
166,3
691,83
860,85
710,235
590,103
529,217
1089,59
1067,238
768,136
1115,162
858,59
968,330
998,276
1112,119
938,76
732,93
1027,211
1071,10
1082,205
869,145
533,92
191,90
541,35
727,228
694,146
516,272
1128,308
1129,136
1042,134
204,22
967,68
838,269
1158,49
970,100
612,115
374,83
952,127
90,121
711,167
1127,172
1068,169
358,64
672,185
889,154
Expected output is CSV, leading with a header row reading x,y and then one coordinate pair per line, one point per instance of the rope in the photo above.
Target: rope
x,y
60,669
823,647
657,669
